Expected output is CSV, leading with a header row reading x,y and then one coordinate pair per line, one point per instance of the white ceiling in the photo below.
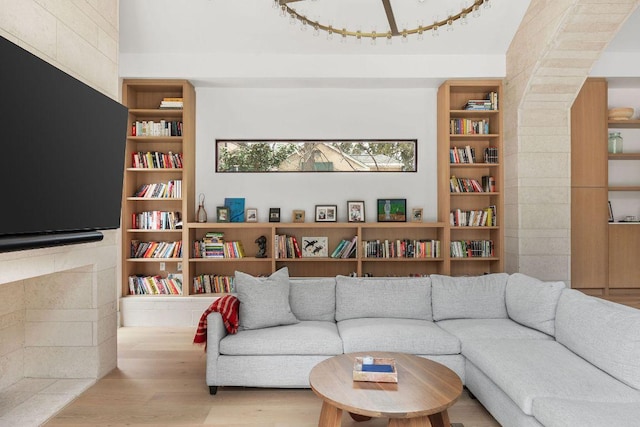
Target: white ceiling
x,y
234,29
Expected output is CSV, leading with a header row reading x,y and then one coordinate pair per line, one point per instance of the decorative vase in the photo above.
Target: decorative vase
x,y
202,213
615,143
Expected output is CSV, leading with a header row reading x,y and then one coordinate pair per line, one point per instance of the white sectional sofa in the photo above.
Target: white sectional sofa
x,y
534,353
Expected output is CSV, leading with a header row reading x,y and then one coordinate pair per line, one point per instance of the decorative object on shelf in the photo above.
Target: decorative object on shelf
x,y
392,210
202,213
315,247
416,215
610,213
262,247
621,113
298,215
222,214
355,211
274,214
236,208
615,143
442,17
326,213
251,215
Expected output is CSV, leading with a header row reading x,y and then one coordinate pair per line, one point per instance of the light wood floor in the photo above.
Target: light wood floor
x,y
160,381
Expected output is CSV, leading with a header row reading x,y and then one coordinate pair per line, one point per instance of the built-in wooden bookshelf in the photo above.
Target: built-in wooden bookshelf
x,y
610,271
160,156
470,150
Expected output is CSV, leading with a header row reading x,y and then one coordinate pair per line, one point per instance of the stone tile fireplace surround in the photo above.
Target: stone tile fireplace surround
x,y
58,324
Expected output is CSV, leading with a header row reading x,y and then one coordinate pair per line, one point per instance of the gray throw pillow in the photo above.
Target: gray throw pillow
x,y
532,302
264,302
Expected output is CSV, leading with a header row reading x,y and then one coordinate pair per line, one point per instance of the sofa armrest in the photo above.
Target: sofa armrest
x,y
215,332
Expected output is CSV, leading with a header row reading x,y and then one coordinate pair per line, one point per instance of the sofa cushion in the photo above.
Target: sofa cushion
x,y
473,329
604,333
528,369
303,338
313,298
264,302
397,297
564,412
532,302
411,336
477,297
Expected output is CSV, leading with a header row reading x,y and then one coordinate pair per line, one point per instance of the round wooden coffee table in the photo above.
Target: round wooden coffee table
x,y
420,398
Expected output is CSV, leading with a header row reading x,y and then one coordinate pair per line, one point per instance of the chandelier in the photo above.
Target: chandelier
x,y
307,20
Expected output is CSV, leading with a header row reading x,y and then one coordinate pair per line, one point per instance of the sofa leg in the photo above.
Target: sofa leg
x,y
471,395
213,389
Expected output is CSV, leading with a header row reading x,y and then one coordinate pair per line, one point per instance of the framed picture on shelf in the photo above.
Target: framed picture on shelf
x,y
355,211
251,215
222,213
392,210
274,214
610,213
416,215
236,208
315,247
326,213
298,215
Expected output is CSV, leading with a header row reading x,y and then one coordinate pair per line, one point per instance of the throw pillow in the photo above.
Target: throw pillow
x,y
264,302
532,302
475,297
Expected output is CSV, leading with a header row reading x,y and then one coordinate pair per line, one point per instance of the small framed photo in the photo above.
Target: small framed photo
x,y
298,215
315,246
355,211
222,213
326,213
392,210
416,215
251,215
274,214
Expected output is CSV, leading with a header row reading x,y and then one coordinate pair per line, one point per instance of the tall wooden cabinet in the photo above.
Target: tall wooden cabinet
x,y
604,254
470,149
160,152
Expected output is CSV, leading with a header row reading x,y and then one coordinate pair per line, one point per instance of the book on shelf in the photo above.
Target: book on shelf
x,y
170,103
156,220
213,283
156,160
491,155
464,185
169,190
462,155
156,249
159,128
473,218
472,249
213,245
489,184
286,246
401,248
155,285
459,126
346,248
490,102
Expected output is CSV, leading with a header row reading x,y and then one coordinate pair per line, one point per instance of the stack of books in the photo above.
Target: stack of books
x,y
171,103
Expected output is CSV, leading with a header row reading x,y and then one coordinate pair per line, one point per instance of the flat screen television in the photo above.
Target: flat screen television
x,y
62,151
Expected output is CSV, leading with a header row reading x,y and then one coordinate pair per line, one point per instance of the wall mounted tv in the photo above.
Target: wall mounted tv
x,y
63,148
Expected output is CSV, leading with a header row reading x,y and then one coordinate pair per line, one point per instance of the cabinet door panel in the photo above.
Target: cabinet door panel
x,y
589,218
624,247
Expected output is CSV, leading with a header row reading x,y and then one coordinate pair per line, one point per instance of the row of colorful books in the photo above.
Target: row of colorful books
x,y
472,249
401,248
157,160
459,126
152,128
473,218
490,102
170,190
462,155
346,248
156,249
286,246
156,220
155,285
213,283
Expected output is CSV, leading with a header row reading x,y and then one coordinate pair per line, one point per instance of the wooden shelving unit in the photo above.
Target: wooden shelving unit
x,y
452,97
143,98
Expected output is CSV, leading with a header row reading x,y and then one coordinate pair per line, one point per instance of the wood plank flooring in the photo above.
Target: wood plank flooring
x,y
160,381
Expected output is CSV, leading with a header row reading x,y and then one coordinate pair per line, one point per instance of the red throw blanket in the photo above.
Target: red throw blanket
x,y
227,306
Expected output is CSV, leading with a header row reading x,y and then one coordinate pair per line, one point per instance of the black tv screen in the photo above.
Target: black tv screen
x,y
63,146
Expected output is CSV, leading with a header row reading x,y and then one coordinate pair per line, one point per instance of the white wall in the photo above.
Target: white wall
x,y
316,114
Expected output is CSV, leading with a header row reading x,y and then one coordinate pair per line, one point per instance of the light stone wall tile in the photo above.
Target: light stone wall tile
x,y
27,267
61,362
107,356
549,216
36,410
106,329
58,334
30,23
11,368
545,195
539,165
545,246
108,46
96,257
12,338
74,387
11,298
534,118
64,290
74,18
545,143
67,315
106,287
545,267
